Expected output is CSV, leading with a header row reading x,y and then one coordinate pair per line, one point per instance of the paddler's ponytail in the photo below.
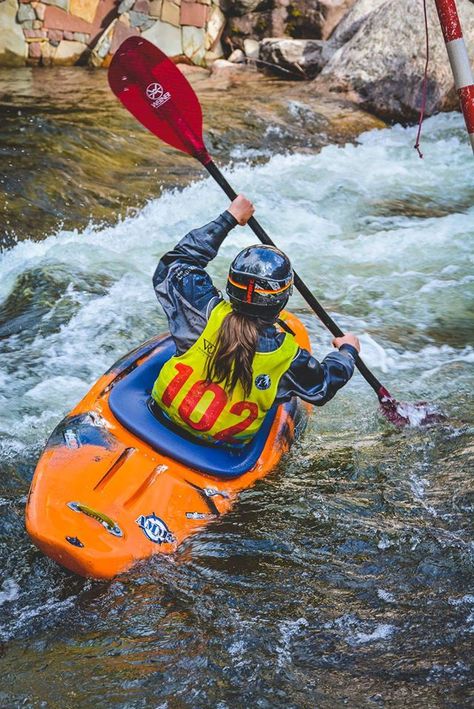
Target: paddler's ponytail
x,y
231,361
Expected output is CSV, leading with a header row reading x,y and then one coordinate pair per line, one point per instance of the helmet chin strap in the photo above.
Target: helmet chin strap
x,y
284,326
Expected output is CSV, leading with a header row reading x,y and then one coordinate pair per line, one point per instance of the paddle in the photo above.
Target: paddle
x,y
153,89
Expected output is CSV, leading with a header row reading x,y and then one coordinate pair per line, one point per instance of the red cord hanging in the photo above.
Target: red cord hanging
x,y
425,83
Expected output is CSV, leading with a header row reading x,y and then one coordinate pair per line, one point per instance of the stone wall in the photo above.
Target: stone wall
x,y
67,32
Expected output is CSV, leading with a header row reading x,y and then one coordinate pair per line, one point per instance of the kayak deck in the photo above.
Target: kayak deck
x,y
110,488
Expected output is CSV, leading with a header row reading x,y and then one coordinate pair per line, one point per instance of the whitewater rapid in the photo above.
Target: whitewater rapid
x,y
383,239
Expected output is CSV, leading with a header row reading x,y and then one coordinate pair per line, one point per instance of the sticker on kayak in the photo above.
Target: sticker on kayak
x,y
157,95
200,515
155,529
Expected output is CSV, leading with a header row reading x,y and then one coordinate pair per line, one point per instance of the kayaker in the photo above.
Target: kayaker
x,y
235,360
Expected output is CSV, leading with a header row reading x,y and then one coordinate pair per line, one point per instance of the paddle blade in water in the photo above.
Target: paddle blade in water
x,y
153,89
403,414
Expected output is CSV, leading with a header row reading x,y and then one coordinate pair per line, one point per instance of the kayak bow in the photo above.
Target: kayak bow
x,y
115,484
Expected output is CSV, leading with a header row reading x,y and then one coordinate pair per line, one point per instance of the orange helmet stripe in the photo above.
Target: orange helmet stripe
x,y
261,290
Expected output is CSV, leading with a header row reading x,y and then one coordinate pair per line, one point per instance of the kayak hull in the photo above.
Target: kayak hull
x,y
102,498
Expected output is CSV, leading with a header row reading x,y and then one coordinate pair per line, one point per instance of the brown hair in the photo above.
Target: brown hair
x,y
231,361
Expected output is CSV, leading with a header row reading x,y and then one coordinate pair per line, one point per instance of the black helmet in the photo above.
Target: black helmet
x,y
260,282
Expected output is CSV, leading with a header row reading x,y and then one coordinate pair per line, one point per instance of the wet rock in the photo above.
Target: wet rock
x,y
351,22
170,13
142,6
296,58
154,7
138,19
223,69
254,25
127,5
166,37
85,9
215,27
47,53
237,56
34,50
278,21
55,36
100,52
243,7
251,48
120,34
62,4
211,57
315,19
386,78
38,34
26,13
193,14
39,9
81,37
70,53
193,44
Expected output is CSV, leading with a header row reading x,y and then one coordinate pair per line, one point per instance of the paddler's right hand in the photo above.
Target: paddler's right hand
x,y
242,209
348,339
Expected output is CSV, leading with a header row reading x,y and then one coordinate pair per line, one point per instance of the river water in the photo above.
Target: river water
x,y
345,577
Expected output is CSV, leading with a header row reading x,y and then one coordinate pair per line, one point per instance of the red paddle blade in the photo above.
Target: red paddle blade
x,y
403,414
153,89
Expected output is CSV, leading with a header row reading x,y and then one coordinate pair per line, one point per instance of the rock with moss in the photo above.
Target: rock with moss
x,y
315,19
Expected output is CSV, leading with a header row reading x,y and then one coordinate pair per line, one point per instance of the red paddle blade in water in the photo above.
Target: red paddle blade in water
x,y
403,414
153,89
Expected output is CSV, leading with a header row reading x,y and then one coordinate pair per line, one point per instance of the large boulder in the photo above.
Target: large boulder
x,y
294,58
13,48
316,19
351,22
382,65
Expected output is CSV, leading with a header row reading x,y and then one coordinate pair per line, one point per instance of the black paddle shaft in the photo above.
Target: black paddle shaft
x,y
325,318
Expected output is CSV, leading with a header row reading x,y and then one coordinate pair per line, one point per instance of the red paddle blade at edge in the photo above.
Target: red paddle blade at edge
x,y
153,89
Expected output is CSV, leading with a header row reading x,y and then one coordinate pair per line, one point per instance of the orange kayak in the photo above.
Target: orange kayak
x,y
115,485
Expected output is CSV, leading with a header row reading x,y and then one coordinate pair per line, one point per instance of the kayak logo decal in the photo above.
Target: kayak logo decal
x,y
263,382
155,529
157,95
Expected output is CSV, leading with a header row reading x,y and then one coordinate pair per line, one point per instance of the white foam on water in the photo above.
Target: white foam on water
x,y
380,632
288,629
386,596
10,591
360,632
468,599
23,616
459,670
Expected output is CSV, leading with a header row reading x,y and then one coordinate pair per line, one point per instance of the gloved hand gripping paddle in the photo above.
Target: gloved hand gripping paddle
x,y
153,89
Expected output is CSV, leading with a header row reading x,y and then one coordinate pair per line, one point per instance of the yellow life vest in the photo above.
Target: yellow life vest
x,y
204,408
